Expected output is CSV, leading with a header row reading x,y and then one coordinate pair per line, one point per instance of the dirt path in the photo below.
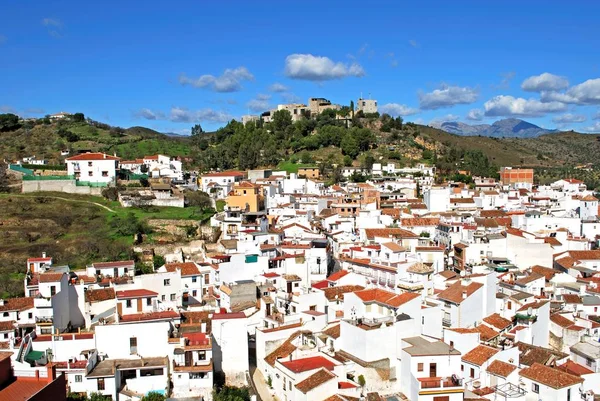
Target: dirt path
x,y
65,199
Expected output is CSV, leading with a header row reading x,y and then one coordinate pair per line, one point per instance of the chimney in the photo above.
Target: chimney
x,y
43,254
464,294
51,372
104,155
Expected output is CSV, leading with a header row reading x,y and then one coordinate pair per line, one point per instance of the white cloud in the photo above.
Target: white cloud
x,y
54,27
509,106
443,119
447,96
230,81
414,43
183,115
587,92
260,103
593,128
569,118
277,87
475,115
545,82
395,109
319,68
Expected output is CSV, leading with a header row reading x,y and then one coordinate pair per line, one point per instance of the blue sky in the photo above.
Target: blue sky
x,y
168,65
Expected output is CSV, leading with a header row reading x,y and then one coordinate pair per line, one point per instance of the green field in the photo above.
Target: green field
x,y
76,230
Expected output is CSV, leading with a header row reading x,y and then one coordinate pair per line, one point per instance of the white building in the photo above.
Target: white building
x,y
93,167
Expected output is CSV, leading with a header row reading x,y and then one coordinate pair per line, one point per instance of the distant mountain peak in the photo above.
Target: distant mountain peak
x,y
508,127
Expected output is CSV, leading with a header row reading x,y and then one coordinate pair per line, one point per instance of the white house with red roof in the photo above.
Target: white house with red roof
x,y
112,269
192,371
93,167
219,184
131,302
34,265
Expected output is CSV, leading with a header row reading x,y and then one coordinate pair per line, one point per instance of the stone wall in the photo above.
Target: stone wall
x,y
67,186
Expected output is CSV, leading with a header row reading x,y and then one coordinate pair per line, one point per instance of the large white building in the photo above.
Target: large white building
x,y
93,167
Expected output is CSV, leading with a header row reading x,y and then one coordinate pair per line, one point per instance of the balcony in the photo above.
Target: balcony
x,y
440,384
446,322
410,284
44,320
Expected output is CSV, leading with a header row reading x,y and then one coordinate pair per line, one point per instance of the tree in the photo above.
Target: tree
x,y
9,122
368,162
154,396
111,193
281,119
361,381
228,393
350,146
158,261
198,199
144,182
97,397
197,130
352,108
129,225
78,117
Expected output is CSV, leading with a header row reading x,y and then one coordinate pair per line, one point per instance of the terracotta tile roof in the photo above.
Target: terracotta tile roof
x,y
454,293
589,198
547,272
550,377
39,260
50,277
140,293
533,305
308,364
528,279
17,304
486,333
337,275
291,277
462,200
99,295
479,355
333,331
552,241
332,292
420,268
389,232
502,369
21,390
271,275
346,385
315,380
497,321
574,368
561,320
392,246
385,297
140,317
491,213
187,268
281,328
7,325
572,299
92,156
530,354
284,350
419,221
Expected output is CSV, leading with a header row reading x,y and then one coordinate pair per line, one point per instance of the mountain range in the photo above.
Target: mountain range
x,y
506,128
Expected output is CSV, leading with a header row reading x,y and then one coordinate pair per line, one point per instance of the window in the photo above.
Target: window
x,y
90,164
462,368
128,303
101,384
78,378
167,282
206,279
172,297
105,174
535,388
5,314
30,315
194,279
419,367
52,290
194,292
569,394
202,355
149,301
472,372
509,305
90,173
163,298
290,385
133,345
5,336
589,361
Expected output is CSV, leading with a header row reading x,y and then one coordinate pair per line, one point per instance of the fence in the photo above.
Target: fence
x,y
91,184
47,177
19,169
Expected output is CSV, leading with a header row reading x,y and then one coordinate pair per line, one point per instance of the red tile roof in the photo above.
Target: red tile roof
x,y
17,304
39,260
238,315
479,355
389,232
337,275
22,389
7,326
187,268
500,368
333,331
497,321
99,295
92,156
315,380
385,297
333,293
225,174
454,293
574,368
346,385
550,377
140,293
50,277
307,364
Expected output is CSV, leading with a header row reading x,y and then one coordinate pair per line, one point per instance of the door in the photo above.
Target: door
x,y
139,305
432,370
289,287
268,309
